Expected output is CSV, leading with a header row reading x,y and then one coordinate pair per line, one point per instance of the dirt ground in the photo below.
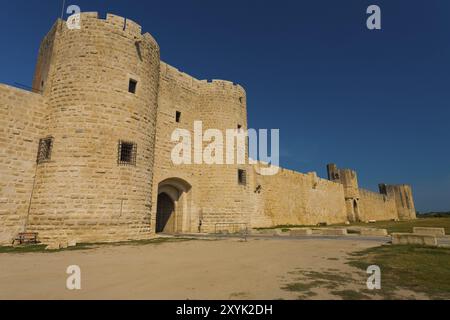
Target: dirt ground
x,y
196,269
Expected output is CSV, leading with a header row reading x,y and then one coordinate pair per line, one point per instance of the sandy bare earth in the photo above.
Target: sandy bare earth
x,y
200,269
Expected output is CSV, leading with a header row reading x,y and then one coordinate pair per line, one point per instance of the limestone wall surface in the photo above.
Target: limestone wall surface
x,y
301,199
375,206
22,116
404,200
178,92
215,196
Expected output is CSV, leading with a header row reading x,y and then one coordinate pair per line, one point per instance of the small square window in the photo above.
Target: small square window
x,y
127,153
242,177
178,116
45,150
239,127
132,86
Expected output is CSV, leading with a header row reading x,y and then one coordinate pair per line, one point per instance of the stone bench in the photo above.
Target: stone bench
x,y
437,232
374,232
268,232
334,232
26,238
355,229
414,238
301,232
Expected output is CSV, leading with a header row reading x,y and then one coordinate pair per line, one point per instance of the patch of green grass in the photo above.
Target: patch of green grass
x,y
313,279
416,268
86,246
41,249
23,249
286,227
391,226
239,295
350,295
407,226
333,285
333,280
154,241
307,295
434,215
303,288
328,277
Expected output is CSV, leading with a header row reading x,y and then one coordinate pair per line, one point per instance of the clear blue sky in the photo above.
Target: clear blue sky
x,y
374,101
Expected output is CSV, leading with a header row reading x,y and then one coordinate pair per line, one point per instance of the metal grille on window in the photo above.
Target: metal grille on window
x,y
45,150
127,153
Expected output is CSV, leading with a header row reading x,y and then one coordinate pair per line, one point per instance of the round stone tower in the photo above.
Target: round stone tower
x,y
228,198
95,165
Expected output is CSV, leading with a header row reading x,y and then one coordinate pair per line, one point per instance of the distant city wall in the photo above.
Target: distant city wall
x,y
293,198
375,206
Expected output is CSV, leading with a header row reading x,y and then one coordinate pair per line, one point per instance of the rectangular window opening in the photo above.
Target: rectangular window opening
x,y
132,86
45,150
242,177
178,116
127,153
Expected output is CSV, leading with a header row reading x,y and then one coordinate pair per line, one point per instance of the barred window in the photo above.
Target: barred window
x,y
127,153
242,177
45,150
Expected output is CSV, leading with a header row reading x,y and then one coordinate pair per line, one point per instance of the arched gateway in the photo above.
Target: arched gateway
x,y
173,206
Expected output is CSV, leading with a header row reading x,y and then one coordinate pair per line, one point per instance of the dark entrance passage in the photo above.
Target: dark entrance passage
x,y
356,211
165,217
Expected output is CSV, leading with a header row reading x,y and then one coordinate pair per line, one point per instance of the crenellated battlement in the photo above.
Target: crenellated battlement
x,y
225,84
190,82
118,22
185,80
121,24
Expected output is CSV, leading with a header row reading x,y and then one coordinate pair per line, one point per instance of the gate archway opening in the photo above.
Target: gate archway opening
x,y
165,214
173,206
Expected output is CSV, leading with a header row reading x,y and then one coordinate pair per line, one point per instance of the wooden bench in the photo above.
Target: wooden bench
x,y
26,237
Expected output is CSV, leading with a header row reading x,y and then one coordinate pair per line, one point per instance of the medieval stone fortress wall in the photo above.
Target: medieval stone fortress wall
x,y
87,154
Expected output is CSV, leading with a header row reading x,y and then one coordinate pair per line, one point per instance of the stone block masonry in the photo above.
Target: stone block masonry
x,y
301,232
374,232
88,157
437,232
413,239
22,124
